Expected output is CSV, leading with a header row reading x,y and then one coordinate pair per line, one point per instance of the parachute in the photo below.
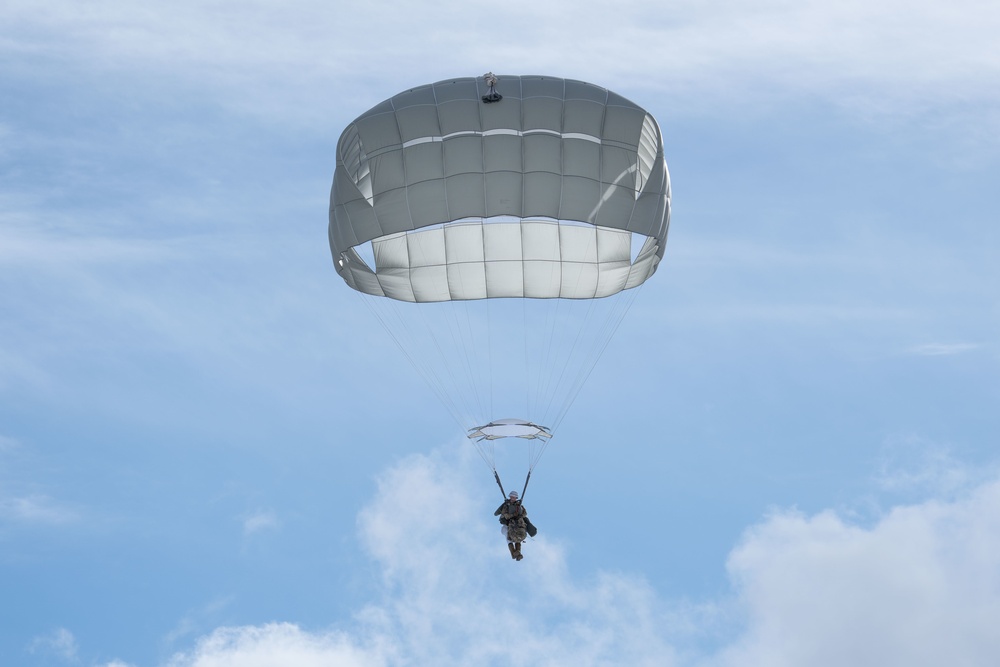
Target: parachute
x,y
497,228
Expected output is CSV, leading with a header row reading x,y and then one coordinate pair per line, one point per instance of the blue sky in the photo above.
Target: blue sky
x,y
210,453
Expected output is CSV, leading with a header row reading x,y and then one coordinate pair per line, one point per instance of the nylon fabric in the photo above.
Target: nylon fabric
x,y
497,198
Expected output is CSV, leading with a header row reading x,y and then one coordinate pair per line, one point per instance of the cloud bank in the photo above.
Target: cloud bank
x,y
888,56
920,586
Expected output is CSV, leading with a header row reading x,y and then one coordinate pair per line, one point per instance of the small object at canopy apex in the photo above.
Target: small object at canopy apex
x,y
493,96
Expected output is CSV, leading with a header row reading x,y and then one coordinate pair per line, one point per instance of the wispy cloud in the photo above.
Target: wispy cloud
x,y
912,465
888,56
8,444
942,349
260,521
37,509
60,643
83,295
197,620
64,250
918,588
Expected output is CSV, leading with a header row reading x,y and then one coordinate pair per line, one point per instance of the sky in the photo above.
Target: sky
x,y
211,453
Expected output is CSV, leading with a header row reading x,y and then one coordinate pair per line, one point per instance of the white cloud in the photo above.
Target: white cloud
x,y
60,643
942,349
453,595
197,620
277,644
919,587
259,521
909,464
36,509
922,587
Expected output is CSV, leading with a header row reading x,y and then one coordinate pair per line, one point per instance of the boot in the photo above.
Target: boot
x,y
513,551
517,551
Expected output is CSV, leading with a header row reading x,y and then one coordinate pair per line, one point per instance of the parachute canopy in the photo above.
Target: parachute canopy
x,y
438,196
506,219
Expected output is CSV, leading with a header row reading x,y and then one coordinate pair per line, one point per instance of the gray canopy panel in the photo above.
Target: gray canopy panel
x,y
537,195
